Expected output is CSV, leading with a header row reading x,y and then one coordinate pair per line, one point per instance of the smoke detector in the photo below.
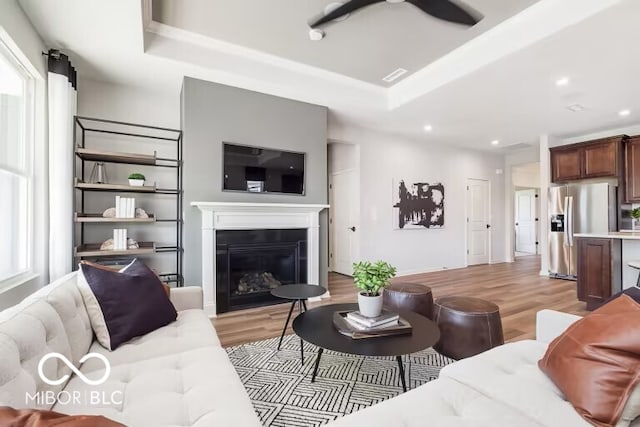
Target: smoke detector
x,y
315,34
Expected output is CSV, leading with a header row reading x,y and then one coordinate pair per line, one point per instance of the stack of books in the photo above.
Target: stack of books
x,y
125,207
353,324
363,323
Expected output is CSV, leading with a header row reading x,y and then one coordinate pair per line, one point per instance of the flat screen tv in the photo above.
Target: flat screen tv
x,y
262,170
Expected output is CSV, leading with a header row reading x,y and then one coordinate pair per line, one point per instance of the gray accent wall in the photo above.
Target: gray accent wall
x,y
211,114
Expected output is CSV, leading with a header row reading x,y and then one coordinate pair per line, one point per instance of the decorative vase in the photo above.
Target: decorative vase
x,y
136,182
98,174
370,306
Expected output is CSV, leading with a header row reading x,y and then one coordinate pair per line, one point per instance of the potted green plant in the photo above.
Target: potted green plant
x,y
635,215
371,278
136,180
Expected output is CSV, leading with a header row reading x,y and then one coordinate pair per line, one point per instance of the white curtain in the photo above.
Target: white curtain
x,y
62,109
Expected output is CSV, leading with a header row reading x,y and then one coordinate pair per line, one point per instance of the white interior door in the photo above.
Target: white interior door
x,y
525,221
343,221
478,225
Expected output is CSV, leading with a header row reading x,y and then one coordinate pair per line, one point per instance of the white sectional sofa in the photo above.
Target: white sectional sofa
x,y
178,375
502,387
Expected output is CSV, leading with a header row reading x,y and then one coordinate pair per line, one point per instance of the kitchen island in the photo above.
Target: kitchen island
x,y
603,264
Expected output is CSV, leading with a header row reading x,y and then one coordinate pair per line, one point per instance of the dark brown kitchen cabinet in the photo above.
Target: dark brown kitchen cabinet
x,y
599,269
566,164
600,159
592,159
632,170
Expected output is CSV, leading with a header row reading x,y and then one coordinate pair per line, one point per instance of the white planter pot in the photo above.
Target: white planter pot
x,y
136,182
370,306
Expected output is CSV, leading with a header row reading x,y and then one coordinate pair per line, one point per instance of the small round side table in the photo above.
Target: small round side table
x,y
298,294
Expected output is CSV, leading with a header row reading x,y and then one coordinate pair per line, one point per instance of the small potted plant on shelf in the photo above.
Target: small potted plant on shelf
x,y
371,278
136,180
635,215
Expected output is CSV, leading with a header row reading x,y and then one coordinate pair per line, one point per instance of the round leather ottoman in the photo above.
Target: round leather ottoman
x,y
468,326
409,297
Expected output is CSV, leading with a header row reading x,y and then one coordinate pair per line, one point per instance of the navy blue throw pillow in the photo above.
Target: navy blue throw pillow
x,y
125,304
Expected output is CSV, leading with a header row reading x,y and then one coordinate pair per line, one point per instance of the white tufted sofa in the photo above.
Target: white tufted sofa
x,y
178,375
502,387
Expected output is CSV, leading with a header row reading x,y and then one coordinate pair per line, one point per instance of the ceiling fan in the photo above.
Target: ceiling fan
x,y
441,9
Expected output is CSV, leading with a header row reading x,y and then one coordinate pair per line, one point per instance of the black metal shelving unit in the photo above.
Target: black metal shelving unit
x,y
83,128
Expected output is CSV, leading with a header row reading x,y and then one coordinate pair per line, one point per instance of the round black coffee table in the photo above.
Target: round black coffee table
x,y
297,293
316,326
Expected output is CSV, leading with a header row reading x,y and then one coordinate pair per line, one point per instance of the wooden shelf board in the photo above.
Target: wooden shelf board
x,y
115,157
93,250
89,217
115,187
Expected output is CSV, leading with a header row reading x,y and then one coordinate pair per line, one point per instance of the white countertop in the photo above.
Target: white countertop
x,y
625,235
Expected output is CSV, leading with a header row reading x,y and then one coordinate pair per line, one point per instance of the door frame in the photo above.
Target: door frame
x,y
354,167
466,222
536,219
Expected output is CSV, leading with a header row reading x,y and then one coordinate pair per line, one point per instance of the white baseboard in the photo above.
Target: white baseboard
x,y
210,310
321,297
427,270
544,273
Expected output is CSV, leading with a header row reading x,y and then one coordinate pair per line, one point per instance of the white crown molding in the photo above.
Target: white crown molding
x,y
220,46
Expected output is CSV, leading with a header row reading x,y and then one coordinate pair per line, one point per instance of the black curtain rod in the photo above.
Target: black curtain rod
x,y
59,63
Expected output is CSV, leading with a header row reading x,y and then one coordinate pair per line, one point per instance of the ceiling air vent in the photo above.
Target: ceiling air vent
x,y
518,146
394,75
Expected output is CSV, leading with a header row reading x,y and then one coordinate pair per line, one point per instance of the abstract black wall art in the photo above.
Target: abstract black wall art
x,y
418,206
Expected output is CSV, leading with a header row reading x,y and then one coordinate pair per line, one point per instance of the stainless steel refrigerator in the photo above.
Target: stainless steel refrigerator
x,y
577,208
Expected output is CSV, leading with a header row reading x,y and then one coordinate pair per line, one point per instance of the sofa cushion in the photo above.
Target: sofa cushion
x,y
64,296
603,348
510,374
194,388
123,305
192,330
28,332
440,403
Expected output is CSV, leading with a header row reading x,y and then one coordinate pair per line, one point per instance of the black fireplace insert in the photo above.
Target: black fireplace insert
x,y
250,263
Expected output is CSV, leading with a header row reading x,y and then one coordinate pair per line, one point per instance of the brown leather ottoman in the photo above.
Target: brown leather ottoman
x,y
468,326
409,297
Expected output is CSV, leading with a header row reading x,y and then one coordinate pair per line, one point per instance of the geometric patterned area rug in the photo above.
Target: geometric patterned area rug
x,y
282,393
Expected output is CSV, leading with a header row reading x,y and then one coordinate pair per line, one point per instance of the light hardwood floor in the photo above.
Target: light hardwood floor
x,y
517,288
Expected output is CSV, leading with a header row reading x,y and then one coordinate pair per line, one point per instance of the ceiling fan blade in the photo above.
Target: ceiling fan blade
x,y
447,11
345,9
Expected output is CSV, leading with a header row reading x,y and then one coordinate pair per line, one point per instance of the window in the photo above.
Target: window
x,y
16,164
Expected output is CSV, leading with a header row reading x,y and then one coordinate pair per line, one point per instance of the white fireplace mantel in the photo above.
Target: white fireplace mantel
x,y
255,216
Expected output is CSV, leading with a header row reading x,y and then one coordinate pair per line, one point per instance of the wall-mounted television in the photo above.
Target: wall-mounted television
x,y
262,170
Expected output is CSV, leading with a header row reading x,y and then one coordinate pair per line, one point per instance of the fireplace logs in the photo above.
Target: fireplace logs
x,y
257,282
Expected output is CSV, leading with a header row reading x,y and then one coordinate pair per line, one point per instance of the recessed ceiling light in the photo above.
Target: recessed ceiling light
x,y
562,81
495,142
624,113
428,128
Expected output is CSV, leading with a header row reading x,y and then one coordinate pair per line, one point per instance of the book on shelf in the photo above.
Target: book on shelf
x,y
385,317
125,207
119,239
